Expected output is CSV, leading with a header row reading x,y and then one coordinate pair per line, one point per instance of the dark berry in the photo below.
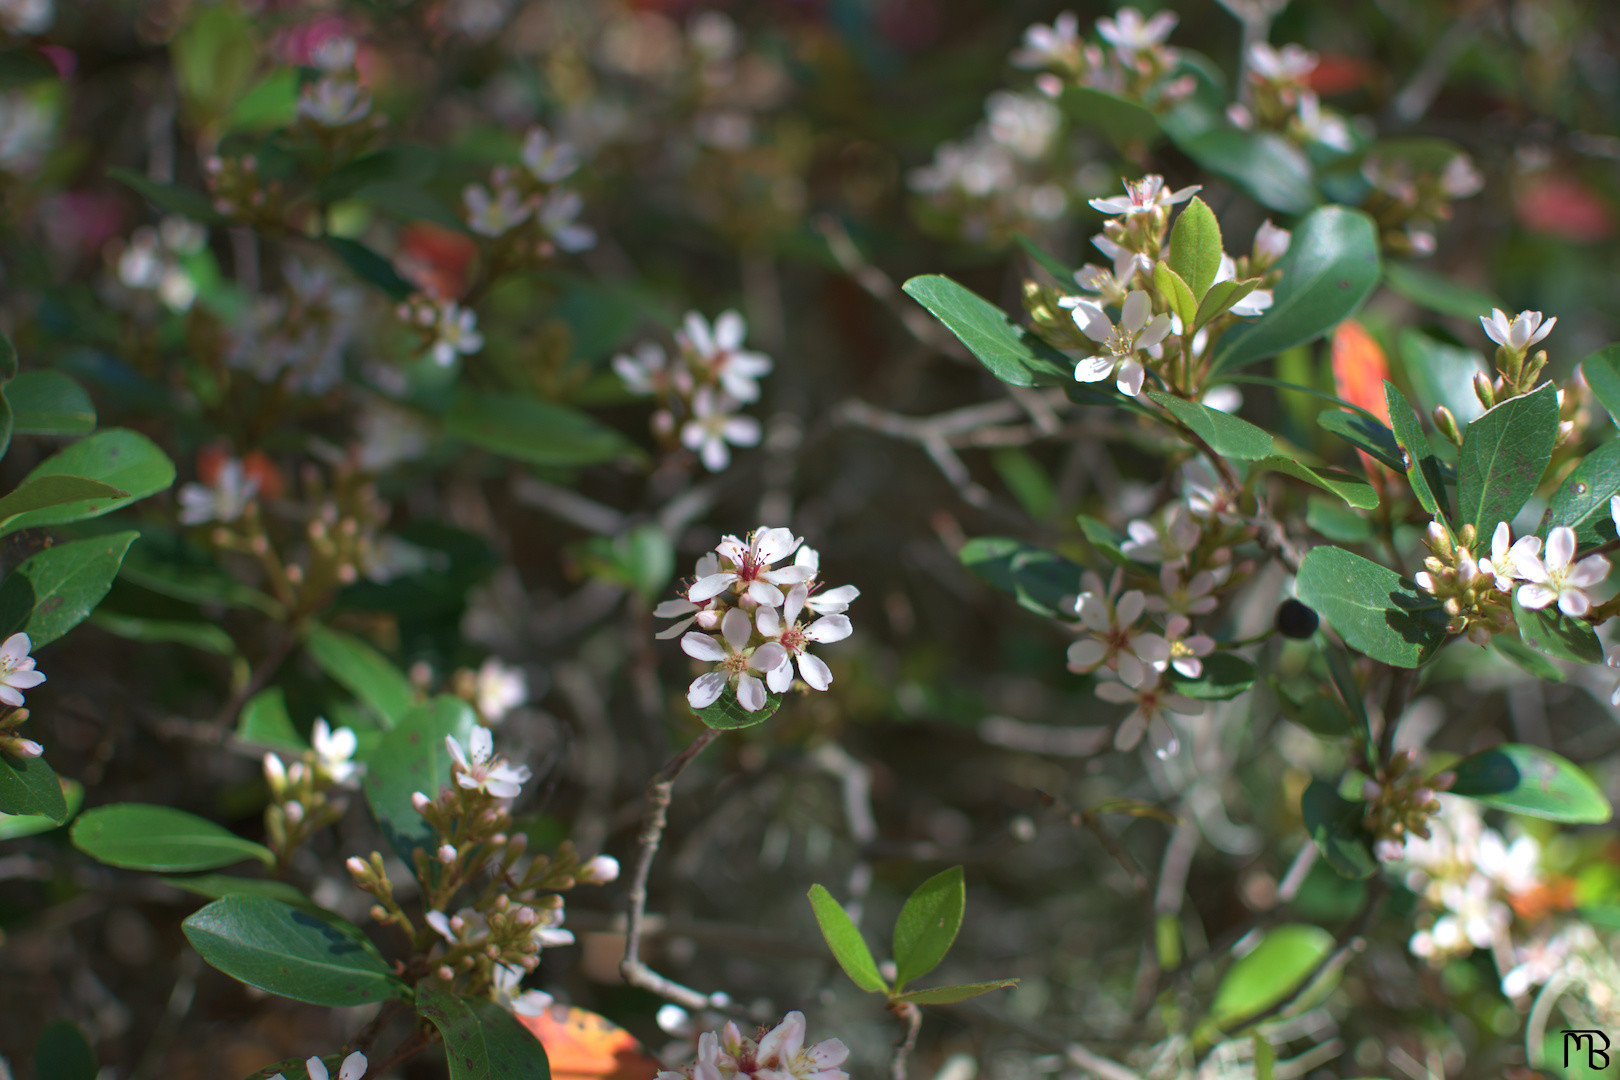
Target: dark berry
x,y
1295,620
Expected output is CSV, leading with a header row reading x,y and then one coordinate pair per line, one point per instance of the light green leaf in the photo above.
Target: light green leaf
x,y
29,786
290,951
1503,455
1330,268
272,103
1270,973
1336,521
123,459
1365,434
927,925
1373,608
1263,163
214,55
1042,581
727,713
1226,434
1582,500
1224,676
413,757
1335,825
1441,374
1438,293
1602,373
1220,298
63,1053
1195,248
1347,486
1552,633
482,1040
528,429
844,939
1176,291
363,671
207,636
55,590
49,403
950,995
143,836
1422,468
1012,354
264,721
1532,781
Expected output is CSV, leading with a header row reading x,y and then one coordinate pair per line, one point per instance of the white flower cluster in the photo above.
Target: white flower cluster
x,y
336,99
223,500
448,329
154,261
1544,577
533,196
353,1068
709,380
1282,100
479,768
767,617
780,1054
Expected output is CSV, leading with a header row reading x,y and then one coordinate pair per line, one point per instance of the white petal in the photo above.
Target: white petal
x,y
829,628
741,431
705,690
729,330
767,656
796,599
1573,602
1131,377
1560,547
1130,607
1588,572
1086,653
1094,368
1115,692
703,646
763,592
750,693
780,677
769,621
354,1067
316,1069
1536,596
706,588
1134,312
1131,731
815,672
737,629
1132,672
1156,331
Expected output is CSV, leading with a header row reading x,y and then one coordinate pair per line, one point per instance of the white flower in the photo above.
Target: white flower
x,y
334,101
1130,34
702,612
1323,125
1147,194
1049,45
548,160
1289,64
1184,596
1251,305
736,660
1186,652
1460,179
1525,330
1023,123
1127,263
822,602
1114,640
17,669
499,689
353,1067
1149,717
456,333
1506,556
27,16
1611,659
505,982
1168,542
1556,579
224,500
751,567
557,217
480,769
783,628
599,871
489,216
647,372
779,1055
713,424
334,752
1138,329
1270,243
720,350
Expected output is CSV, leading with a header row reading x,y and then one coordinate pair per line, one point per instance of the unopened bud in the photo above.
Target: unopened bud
x,y
420,802
294,811
446,973
1483,389
1370,790
1439,539
600,870
447,854
1447,424
356,866
275,774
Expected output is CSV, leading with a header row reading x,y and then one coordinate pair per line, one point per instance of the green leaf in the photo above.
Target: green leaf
x,y
123,459
1063,274
56,589
46,491
1126,124
1042,581
1224,676
143,836
8,359
1421,467
640,558
1552,633
401,163
271,104
264,721
1373,608
1527,658
1602,373
167,565
1532,781
1174,289
1352,489
1343,677
1336,521
844,939
482,1040
16,826
1195,248
214,55
927,925
1100,536
727,713
363,671
529,429
1438,293
49,403
1503,455
1266,165
1335,825
30,786
950,995
1330,268
215,886
1270,973
1012,354
1365,434
186,202
1226,434
1220,298
290,951
1441,373
1582,500
410,758
63,1053
1319,712
1265,1058
207,636
370,267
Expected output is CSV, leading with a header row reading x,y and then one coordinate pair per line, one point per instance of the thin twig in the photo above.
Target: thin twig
x,y
912,1016
634,970
1107,1068
880,287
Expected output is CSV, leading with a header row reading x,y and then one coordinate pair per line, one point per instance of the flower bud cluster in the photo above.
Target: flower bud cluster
x,y
300,803
1399,803
1517,370
155,261
703,388
336,100
1132,61
1408,200
1466,586
241,193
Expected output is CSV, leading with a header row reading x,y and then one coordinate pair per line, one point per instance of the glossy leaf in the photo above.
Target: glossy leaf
x,y
1365,434
1336,521
290,951
1125,123
413,757
844,939
1012,354
1373,608
1224,676
1320,711
482,1040
1503,455
363,671
1263,163
1270,973
528,429
727,713
1552,633
927,925
1220,298
1515,650
29,786
1602,373
264,721
1335,826
1352,489
215,886
1042,581
63,1053
1176,291
55,590
1441,374
1582,500
1421,467
126,460
1438,293
49,403
950,995
143,836
1195,248
44,491
16,826
207,636
1226,434
1532,781
1331,267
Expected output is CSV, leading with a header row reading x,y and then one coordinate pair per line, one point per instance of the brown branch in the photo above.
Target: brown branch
x,y
912,1017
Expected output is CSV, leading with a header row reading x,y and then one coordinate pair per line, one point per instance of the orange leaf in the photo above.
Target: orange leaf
x,y
1359,371
581,1045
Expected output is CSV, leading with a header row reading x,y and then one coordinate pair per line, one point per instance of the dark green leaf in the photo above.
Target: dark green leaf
x,y
49,403
398,164
1101,537
8,359
1422,468
1195,248
167,565
1552,633
1063,274
1263,163
410,758
264,721
172,197
1319,712
1602,373
126,460
927,925
16,826
727,713
1042,581
19,67
1529,780
1224,676
1373,608
1438,293
207,636
1365,434
1582,500
1352,489
950,995
1226,434
1343,677
1012,354
215,886
482,1040
1270,973
1503,455
529,429
1335,825
845,941
63,1053
56,589
290,951
363,671
1330,268
143,836
30,786
370,267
